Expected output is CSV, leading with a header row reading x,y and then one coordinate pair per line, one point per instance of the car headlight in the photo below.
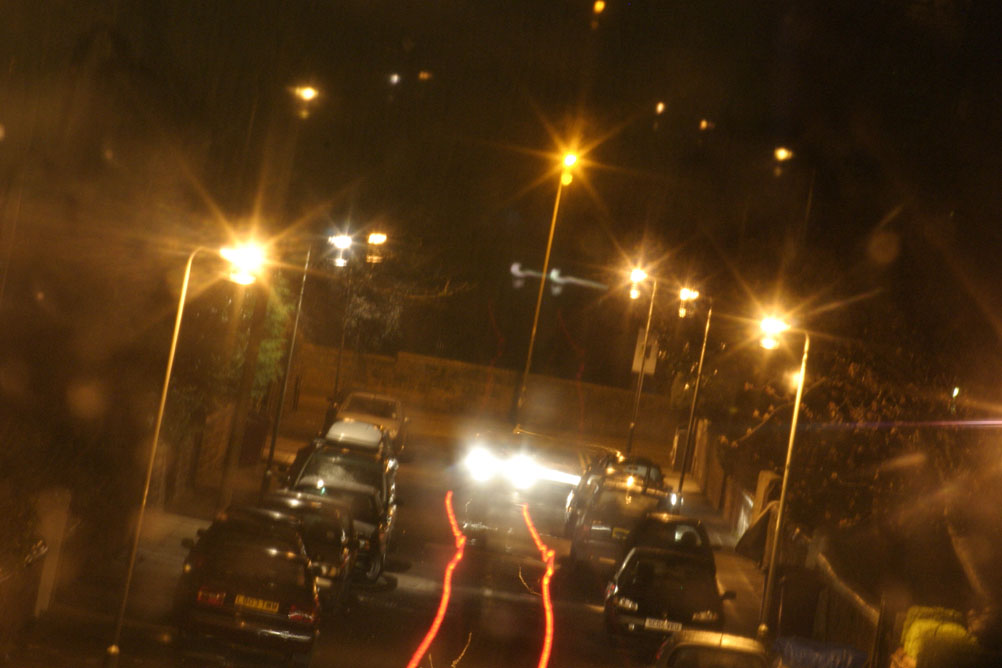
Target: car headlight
x,y
674,499
705,616
481,464
626,603
521,471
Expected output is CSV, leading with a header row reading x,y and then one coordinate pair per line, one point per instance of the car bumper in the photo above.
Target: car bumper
x,y
219,629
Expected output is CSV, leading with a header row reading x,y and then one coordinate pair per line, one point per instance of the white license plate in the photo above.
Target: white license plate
x,y
652,624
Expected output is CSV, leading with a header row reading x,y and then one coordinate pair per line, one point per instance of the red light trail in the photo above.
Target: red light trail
x,y
547,555
446,585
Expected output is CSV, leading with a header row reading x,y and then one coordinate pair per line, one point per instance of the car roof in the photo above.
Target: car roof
x,y
621,486
355,434
728,641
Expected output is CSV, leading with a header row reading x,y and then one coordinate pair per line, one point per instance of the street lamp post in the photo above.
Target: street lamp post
x,y
566,177
637,276
266,478
772,328
687,295
244,261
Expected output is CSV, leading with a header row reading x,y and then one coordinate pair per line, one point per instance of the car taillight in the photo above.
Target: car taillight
x,y
611,589
211,597
303,615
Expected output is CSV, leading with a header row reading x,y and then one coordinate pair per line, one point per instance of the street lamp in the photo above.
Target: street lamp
x,y
782,154
638,276
569,160
771,328
687,295
246,261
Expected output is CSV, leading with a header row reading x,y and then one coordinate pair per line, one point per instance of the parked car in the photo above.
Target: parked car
x,y
691,648
240,524
329,537
612,467
351,451
599,539
673,532
373,520
381,410
657,592
247,595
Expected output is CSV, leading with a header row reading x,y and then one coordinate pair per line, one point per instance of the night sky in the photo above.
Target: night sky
x,y
145,124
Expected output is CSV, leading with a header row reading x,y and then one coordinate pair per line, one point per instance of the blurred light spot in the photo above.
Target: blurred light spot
x,y
3,132
424,75
305,93
394,79
795,379
884,247
705,124
87,399
598,7
782,154
659,108
39,296
566,178
956,392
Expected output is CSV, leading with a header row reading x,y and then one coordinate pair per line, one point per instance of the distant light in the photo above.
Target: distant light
x,y
634,292
394,79
659,108
772,326
638,275
705,124
956,392
795,379
340,241
682,310
377,238
570,160
782,154
598,7
685,294
339,261
630,481
424,75
566,178
305,93
769,343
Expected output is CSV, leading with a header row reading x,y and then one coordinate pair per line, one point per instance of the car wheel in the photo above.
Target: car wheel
x,y
376,567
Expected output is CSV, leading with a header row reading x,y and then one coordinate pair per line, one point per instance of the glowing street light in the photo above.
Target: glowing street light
x,y
340,241
377,238
568,161
638,275
598,7
305,93
772,328
246,260
782,154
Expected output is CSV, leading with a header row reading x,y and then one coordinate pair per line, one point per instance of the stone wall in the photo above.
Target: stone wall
x,y
440,385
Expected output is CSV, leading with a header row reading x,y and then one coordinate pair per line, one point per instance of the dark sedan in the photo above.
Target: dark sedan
x,y
329,537
248,597
656,592
600,537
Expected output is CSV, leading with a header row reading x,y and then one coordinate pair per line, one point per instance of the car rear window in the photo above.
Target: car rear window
x,y
338,466
257,566
371,406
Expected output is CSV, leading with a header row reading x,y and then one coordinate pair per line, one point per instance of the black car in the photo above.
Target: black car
x,y
261,526
656,592
329,537
373,520
243,595
674,532
353,452
600,538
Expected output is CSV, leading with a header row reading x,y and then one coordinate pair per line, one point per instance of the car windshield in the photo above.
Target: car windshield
x,y
371,406
615,506
362,505
257,566
335,466
266,533
646,570
712,657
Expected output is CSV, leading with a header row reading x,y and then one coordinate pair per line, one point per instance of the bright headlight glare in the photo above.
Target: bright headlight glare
x,y
481,464
674,499
521,471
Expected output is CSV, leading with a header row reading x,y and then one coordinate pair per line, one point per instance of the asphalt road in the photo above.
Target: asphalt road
x,y
495,616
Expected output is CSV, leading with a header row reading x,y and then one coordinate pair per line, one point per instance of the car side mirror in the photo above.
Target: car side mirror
x,y
728,595
187,543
